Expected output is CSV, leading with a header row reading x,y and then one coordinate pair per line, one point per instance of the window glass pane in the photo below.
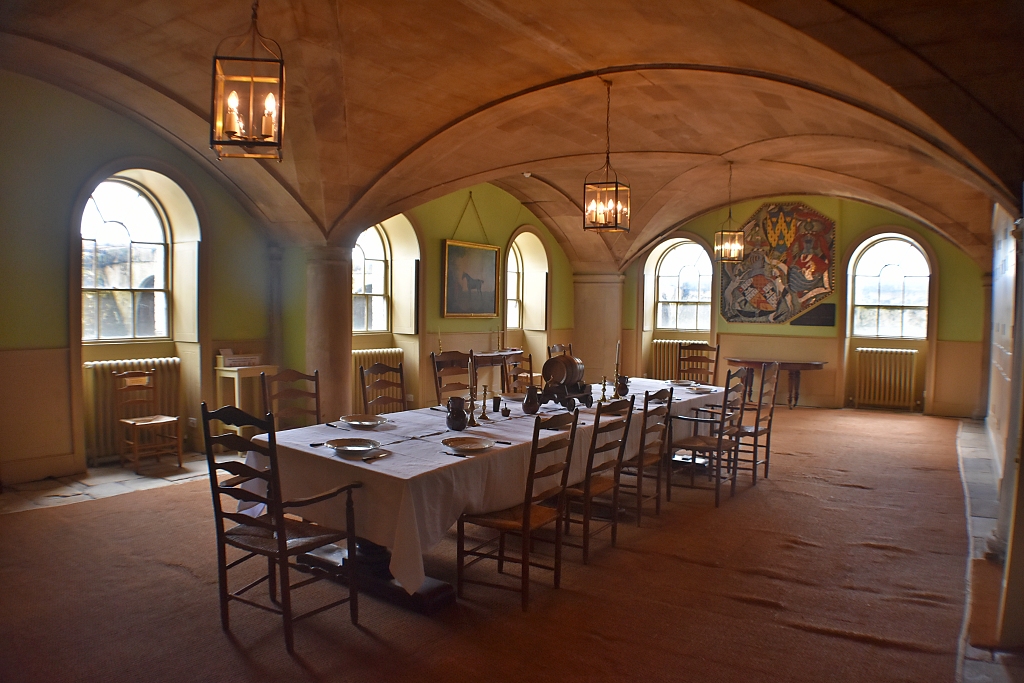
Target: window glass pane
x,y
357,271
90,330
88,263
704,317
689,285
915,323
890,286
150,314
890,322
668,288
666,316
865,321
148,266
119,202
369,241
111,267
359,313
374,277
512,313
115,314
378,313
512,285
687,317
704,292
865,290
915,291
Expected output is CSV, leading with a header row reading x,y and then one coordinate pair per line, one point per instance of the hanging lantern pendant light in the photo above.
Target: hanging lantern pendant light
x,y
605,192
729,245
248,96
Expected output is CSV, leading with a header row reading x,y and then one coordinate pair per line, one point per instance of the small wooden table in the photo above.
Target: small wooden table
x,y
792,367
236,394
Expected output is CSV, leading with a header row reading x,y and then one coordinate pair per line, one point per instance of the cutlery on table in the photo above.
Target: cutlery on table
x,y
331,424
371,458
314,445
458,455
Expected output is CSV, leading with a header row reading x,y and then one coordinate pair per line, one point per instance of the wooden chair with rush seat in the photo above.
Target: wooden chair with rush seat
x,y
451,374
549,467
559,350
379,382
145,432
269,534
757,437
698,362
291,394
518,373
651,453
611,429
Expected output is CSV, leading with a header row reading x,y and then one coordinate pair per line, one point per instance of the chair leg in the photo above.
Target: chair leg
x,y
558,554
718,476
222,580
657,488
615,510
177,433
135,448
501,552
668,473
639,492
754,463
586,528
353,570
460,559
286,606
734,455
525,556
272,579
767,451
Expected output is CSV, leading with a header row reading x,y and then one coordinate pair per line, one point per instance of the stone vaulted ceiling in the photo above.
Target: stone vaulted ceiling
x,y
917,106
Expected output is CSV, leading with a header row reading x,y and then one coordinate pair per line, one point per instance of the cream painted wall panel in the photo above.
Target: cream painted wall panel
x,y
958,370
35,416
597,306
191,391
817,387
186,292
410,345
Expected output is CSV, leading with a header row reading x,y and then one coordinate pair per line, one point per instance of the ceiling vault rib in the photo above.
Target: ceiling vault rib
x,y
994,184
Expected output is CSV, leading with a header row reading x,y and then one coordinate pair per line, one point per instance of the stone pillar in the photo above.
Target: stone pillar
x,y
329,327
597,322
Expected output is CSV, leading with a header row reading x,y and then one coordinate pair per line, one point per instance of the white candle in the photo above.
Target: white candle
x,y
618,351
269,112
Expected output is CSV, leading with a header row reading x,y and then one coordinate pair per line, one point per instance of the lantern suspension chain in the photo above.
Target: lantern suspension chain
x,y
608,123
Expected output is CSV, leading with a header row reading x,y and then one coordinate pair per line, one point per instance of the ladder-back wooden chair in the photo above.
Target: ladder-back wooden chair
x,y
709,451
560,349
608,442
146,433
651,453
291,394
271,535
382,382
546,478
451,374
697,362
757,437
518,373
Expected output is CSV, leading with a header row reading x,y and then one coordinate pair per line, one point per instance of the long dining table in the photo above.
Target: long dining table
x,y
412,496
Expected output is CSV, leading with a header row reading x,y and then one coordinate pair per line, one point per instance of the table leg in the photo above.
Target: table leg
x,y
794,388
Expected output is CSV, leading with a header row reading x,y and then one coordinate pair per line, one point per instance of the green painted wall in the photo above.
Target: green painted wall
x,y
961,296
54,142
496,217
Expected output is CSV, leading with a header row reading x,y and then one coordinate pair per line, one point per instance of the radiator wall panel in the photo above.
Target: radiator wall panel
x,y
885,378
665,357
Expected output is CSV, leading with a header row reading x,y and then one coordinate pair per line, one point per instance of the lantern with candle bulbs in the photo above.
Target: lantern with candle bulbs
x,y
248,96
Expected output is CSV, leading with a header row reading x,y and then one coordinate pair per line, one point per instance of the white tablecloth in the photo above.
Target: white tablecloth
x,y
411,498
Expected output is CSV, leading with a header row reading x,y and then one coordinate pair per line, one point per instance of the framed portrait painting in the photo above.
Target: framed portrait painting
x,y
470,280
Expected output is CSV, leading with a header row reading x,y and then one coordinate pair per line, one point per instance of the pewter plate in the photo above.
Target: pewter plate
x,y
363,421
467,444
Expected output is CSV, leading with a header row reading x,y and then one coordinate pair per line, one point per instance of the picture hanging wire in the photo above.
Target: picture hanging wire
x,y
479,218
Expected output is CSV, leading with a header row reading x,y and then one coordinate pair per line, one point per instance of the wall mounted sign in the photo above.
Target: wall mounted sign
x,y
787,269
470,280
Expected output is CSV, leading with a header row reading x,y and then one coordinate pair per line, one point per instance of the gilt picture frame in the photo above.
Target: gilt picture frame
x,y
470,280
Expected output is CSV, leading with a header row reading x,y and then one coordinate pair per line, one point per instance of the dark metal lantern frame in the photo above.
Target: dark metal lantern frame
x,y
605,192
250,125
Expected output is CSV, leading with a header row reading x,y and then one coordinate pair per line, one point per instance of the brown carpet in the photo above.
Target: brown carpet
x,y
847,565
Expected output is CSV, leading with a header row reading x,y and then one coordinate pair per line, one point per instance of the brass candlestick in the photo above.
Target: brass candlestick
x,y
472,408
616,396
483,410
604,387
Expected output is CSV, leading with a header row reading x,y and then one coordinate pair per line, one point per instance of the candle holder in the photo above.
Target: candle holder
x,y
472,409
616,396
604,387
483,409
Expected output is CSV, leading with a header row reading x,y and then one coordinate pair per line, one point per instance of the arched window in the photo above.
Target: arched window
x,y
890,289
369,282
125,284
683,281
514,289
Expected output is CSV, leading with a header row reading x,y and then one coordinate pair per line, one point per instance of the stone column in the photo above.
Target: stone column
x,y
329,327
597,322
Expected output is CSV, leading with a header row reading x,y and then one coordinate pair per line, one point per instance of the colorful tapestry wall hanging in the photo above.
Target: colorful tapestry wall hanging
x,y
787,267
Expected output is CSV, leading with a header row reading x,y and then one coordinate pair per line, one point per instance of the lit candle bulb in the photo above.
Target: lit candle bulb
x,y
269,114
231,126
